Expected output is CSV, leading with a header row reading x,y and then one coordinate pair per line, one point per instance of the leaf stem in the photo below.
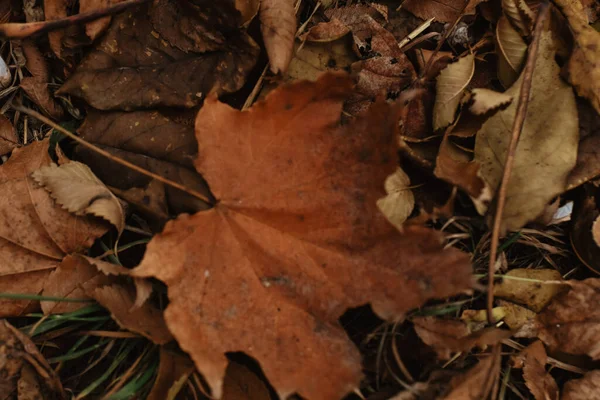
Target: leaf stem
x,y
106,154
512,149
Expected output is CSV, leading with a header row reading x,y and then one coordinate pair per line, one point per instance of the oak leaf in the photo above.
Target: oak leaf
x,y
451,84
294,240
584,388
547,147
37,233
278,27
571,322
164,63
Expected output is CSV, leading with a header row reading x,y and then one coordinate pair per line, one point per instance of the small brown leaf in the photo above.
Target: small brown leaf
x,y
571,322
449,336
441,10
533,361
451,84
534,295
540,172
75,187
586,388
278,27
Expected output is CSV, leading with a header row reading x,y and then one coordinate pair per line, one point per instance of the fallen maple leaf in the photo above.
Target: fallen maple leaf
x,y
441,10
278,27
75,187
165,63
547,149
533,361
585,388
449,336
295,239
571,322
583,68
37,233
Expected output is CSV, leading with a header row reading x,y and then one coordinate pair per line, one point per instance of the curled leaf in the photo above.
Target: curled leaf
x,y
278,27
511,50
450,86
400,201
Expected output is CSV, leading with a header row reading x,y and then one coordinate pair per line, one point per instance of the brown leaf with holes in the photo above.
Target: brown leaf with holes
x,y
450,336
571,322
533,361
441,10
294,240
144,52
23,370
37,233
585,388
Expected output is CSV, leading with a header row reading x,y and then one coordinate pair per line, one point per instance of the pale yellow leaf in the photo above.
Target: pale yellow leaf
x,y
547,149
400,201
278,27
451,83
75,187
485,100
511,50
532,291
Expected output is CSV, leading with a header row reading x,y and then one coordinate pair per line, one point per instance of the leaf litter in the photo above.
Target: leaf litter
x,y
293,251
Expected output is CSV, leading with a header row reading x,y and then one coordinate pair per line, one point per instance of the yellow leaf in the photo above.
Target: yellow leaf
x,y
532,291
400,201
451,83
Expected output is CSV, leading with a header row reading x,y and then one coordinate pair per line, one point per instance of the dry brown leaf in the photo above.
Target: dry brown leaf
x,y
95,28
8,137
571,322
171,369
520,319
540,172
300,247
278,27
441,10
583,67
588,151
519,14
23,370
539,382
146,320
586,388
534,295
37,233
451,84
476,382
55,9
399,202
450,336
511,51
585,231
75,187
485,101
146,60
248,9
160,142
242,384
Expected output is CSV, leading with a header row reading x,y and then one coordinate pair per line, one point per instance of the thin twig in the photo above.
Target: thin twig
x,y
106,154
24,30
512,148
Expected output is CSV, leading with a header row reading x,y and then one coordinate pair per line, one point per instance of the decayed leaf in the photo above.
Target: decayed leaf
x,y
585,388
571,322
278,27
451,84
585,234
145,59
37,233
583,68
8,137
588,151
535,295
171,369
450,336
146,320
75,187
159,142
241,383
441,10
485,100
399,202
55,9
539,382
248,9
287,255
23,370
519,319
511,50
477,382
540,172
519,14
95,28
